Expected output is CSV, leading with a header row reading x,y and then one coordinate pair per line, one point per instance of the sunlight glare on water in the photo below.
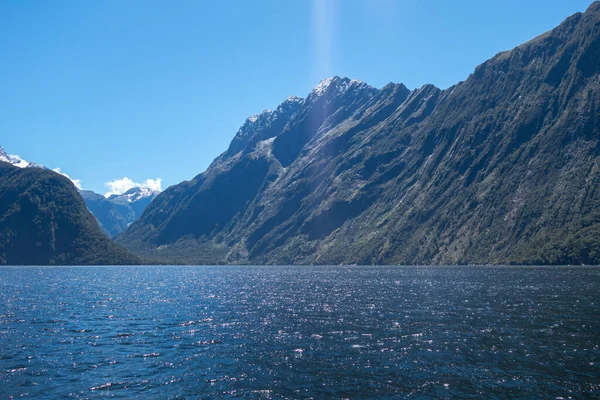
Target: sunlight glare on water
x,y
277,332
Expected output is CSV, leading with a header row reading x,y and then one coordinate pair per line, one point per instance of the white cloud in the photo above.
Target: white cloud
x,y
76,182
120,186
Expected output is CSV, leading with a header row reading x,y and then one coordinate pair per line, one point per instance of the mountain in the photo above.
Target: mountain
x,y
17,161
501,168
43,220
133,202
114,214
117,212
110,220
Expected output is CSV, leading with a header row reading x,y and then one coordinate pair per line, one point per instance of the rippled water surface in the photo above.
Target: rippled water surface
x,y
297,332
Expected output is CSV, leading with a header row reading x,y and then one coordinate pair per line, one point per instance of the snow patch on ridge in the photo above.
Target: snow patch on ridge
x,y
20,163
323,86
125,185
13,159
256,117
294,99
342,85
136,194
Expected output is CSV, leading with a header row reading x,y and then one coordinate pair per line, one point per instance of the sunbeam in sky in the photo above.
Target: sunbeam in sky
x,y
323,20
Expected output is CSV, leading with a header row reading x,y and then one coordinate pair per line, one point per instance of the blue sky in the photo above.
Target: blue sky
x,y
157,89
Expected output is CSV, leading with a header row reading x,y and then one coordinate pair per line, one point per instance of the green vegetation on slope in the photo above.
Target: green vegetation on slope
x,y
44,221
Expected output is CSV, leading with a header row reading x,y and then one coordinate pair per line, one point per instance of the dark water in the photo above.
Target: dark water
x,y
294,332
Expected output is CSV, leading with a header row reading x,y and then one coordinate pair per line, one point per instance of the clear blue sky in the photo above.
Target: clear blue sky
x,y
157,89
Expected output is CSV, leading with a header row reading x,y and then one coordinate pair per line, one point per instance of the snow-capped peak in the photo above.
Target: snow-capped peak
x,y
139,193
254,122
289,105
342,85
294,99
134,194
256,117
13,159
323,86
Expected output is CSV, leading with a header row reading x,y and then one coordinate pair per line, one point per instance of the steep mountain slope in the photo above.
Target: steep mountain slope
x,y
501,168
43,220
116,213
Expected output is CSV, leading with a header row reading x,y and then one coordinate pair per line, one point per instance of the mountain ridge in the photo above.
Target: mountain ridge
x,y
17,161
499,168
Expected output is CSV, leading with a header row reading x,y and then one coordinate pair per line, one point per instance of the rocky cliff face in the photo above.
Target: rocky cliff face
x,y
501,168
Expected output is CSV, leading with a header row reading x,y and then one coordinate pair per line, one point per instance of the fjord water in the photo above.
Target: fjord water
x,y
273,332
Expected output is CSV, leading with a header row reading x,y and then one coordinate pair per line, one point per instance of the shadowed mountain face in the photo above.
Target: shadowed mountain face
x,y
43,220
501,168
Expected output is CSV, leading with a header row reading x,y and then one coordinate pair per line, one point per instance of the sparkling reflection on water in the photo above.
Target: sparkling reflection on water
x,y
297,332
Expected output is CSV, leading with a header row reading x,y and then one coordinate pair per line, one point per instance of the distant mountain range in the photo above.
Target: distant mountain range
x,y
117,212
501,168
